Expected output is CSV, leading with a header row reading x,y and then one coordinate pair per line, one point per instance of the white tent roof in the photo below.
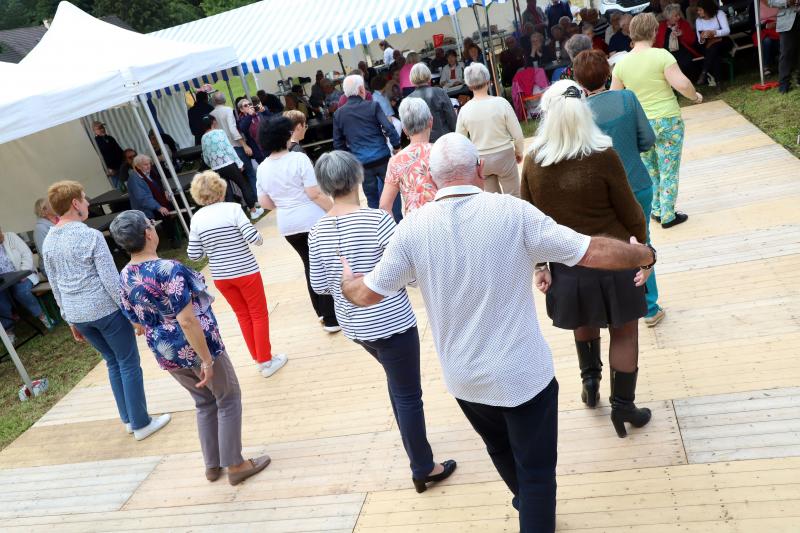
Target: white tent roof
x,y
274,33
83,65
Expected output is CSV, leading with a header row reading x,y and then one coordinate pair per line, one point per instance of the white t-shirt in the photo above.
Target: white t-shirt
x,y
284,180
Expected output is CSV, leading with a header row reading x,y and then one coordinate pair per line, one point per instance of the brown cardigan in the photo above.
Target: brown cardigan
x,y
590,195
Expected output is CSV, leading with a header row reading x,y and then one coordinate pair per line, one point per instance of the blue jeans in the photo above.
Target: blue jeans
x,y
21,292
645,199
374,177
249,172
114,338
399,355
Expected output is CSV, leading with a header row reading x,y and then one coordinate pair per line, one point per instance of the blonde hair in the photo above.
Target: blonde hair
x,y
296,117
61,194
41,208
567,129
208,188
643,28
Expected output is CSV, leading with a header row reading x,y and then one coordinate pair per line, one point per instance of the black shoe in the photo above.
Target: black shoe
x,y
449,468
680,218
623,392
656,218
784,88
591,370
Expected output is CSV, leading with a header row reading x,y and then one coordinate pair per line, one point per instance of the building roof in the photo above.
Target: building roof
x,y
15,44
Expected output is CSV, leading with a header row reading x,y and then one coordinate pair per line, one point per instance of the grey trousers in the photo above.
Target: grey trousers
x,y
790,42
219,412
501,172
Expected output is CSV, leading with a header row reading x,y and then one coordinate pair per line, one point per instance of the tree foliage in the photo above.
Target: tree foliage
x,y
212,7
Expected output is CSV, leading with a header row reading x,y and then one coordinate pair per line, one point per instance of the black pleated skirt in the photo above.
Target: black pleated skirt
x,y
582,296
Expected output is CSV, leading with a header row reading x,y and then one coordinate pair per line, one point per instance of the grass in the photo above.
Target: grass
x,y
236,86
57,357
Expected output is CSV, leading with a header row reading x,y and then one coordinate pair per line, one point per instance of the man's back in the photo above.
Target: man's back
x,y
473,258
360,127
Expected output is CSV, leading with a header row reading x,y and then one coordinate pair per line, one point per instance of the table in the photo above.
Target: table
x,y
7,280
190,154
553,65
108,198
101,223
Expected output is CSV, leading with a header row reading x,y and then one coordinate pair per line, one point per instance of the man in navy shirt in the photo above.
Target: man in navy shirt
x,y
556,10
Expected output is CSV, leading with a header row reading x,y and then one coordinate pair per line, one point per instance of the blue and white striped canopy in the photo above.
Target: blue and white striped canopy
x,y
274,33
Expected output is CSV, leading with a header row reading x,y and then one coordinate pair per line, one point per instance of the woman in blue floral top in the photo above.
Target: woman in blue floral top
x,y
171,302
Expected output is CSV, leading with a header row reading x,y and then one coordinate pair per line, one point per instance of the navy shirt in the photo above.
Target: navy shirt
x,y
361,128
619,42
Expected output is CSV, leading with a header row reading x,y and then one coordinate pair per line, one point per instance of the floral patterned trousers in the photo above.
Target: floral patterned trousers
x,y
663,162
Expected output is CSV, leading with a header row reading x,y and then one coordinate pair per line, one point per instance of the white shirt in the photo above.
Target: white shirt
x,y
284,180
718,24
361,237
222,232
227,123
473,259
388,56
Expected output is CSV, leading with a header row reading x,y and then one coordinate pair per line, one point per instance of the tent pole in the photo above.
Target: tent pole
x,y
14,357
457,31
244,84
157,163
230,93
497,86
341,62
758,38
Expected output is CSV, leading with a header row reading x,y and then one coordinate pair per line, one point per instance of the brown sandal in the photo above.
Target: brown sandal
x,y
256,465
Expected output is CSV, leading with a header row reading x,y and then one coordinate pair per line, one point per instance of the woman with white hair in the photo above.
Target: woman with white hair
x,y
491,124
147,193
408,171
444,116
573,175
45,219
387,330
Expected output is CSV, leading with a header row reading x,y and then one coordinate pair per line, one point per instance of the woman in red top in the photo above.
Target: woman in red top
x,y
676,35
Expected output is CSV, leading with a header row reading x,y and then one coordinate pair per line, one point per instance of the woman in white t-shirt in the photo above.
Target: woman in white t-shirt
x,y
286,183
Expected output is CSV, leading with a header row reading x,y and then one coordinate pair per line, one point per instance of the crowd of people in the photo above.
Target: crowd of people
x,y
449,213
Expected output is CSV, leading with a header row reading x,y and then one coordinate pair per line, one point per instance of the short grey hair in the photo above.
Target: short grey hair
x,y
476,76
352,84
219,98
671,9
338,173
453,157
415,115
420,74
141,158
577,44
128,230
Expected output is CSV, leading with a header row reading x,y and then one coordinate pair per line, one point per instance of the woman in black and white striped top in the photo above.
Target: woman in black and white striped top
x,y
387,330
221,231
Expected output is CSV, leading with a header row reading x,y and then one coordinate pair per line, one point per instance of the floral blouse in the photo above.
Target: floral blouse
x,y
153,293
410,172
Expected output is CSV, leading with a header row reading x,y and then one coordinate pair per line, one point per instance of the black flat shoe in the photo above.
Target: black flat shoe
x,y
449,468
680,218
656,218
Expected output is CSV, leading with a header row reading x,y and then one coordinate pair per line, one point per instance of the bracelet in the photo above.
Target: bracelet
x,y
651,265
207,366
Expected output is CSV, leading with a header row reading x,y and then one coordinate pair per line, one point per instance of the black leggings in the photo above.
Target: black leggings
x,y
231,173
712,64
323,303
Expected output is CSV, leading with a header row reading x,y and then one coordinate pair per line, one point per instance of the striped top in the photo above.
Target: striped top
x,y
221,232
361,237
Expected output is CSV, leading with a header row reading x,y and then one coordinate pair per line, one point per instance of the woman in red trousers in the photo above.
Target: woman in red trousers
x,y
221,231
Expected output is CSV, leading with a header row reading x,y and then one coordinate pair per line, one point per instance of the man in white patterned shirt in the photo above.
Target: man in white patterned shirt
x,y
473,255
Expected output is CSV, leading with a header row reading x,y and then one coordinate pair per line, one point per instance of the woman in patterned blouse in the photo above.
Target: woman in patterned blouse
x,y
171,303
408,171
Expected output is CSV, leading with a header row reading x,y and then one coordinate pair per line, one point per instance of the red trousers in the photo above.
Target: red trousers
x,y
247,298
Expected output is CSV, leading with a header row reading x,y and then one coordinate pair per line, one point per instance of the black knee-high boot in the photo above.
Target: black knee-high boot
x,y
591,370
623,392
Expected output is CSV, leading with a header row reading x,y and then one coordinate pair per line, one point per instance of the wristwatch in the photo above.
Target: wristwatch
x,y
648,267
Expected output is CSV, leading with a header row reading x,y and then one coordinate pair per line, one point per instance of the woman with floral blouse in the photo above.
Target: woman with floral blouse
x,y
173,305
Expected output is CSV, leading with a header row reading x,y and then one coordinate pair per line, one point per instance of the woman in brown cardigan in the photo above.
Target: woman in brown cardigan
x,y
573,175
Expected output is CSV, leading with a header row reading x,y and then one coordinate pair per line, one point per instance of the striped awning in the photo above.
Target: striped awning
x,y
274,33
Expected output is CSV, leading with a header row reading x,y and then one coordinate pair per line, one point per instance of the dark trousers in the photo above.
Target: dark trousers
x,y
522,444
712,62
374,177
685,62
232,174
323,303
399,356
249,172
789,43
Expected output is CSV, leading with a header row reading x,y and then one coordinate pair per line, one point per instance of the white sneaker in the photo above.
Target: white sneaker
x,y
332,329
257,213
128,428
321,319
154,425
276,363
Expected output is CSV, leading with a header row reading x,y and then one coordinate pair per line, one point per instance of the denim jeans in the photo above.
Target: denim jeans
x,y
399,355
374,176
21,292
645,199
248,171
114,338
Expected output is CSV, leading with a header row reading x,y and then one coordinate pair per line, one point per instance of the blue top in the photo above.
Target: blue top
x,y
620,116
361,128
386,107
556,11
141,196
153,293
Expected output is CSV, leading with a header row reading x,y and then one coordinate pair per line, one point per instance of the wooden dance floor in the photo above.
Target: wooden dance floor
x,y
720,373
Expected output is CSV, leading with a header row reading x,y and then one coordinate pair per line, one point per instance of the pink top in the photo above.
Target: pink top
x,y
405,76
408,170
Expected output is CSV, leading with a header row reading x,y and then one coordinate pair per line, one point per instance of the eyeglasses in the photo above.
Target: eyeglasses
x,y
247,105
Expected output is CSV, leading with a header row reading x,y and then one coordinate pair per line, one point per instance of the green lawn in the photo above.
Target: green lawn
x,y
57,357
236,86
